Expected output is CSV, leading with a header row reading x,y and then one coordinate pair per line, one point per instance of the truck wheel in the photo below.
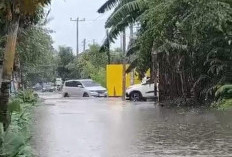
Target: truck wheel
x,y
135,96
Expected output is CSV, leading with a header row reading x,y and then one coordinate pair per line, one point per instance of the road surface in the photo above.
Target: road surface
x,y
108,127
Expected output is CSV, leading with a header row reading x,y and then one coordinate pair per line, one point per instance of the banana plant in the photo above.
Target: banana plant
x,y
192,38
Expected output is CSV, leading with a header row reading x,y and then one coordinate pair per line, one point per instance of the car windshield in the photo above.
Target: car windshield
x,y
89,83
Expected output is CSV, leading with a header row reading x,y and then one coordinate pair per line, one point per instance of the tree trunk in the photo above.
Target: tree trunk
x,y
155,67
182,77
182,84
8,64
108,55
108,47
124,66
4,98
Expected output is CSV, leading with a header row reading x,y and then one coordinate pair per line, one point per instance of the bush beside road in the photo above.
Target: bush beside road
x,y
15,141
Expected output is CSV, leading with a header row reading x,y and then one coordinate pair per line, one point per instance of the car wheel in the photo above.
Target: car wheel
x,y
66,95
85,95
135,96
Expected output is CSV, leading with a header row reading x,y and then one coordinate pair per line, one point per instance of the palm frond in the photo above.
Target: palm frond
x,y
107,6
132,65
105,46
132,48
117,29
127,9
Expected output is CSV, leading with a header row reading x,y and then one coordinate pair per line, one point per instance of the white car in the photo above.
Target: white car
x,y
141,91
83,88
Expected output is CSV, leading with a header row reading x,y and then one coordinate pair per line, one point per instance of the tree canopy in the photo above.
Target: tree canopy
x,y
36,55
65,58
192,39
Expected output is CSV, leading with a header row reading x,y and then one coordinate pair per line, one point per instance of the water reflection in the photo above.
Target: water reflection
x,y
150,130
112,128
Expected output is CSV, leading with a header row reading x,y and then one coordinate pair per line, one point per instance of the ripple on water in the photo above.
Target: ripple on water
x,y
186,134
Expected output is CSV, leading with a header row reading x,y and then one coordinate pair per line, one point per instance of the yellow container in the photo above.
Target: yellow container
x,y
114,75
114,79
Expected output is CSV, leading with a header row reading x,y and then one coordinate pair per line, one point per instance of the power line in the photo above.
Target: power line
x,y
96,19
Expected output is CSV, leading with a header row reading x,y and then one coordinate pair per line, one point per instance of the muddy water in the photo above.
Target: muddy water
x,y
158,131
112,128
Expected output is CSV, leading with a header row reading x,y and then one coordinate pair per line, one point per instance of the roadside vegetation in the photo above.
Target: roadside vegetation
x,y
17,17
15,140
224,97
187,44
37,57
25,46
89,64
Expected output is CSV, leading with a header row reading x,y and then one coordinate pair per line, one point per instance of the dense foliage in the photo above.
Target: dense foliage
x,y
192,41
223,97
15,15
92,64
36,56
15,141
89,64
64,58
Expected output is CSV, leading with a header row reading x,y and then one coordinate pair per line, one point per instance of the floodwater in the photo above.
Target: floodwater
x,y
75,127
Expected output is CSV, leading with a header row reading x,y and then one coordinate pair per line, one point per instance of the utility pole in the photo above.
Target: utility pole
x,y
77,20
124,65
84,44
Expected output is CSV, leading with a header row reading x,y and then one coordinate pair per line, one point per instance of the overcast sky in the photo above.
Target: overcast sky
x,y
65,30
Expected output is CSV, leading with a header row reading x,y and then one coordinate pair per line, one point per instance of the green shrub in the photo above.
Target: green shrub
x,y
224,92
15,141
27,96
100,76
15,144
15,105
225,104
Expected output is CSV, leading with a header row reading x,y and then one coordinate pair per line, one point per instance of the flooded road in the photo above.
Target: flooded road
x,y
112,128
